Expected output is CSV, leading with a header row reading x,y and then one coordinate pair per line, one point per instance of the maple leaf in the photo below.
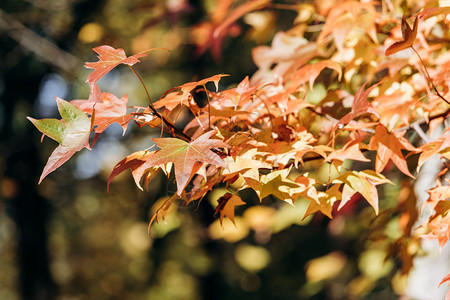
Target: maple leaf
x,y
171,99
244,164
360,106
275,183
135,163
440,229
409,36
393,108
351,150
109,58
438,146
343,18
325,201
310,73
108,109
234,97
72,134
437,194
162,211
226,206
389,146
363,182
185,155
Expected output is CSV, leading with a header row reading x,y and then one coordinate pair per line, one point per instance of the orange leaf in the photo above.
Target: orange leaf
x,y
446,278
434,11
409,36
134,162
310,73
434,147
360,106
108,109
238,13
389,146
363,182
325,201
109,58
226,206
186,155
351,150
171,100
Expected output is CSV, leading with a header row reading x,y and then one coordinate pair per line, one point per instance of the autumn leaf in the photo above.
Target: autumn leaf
x,y
446,278
226,206
439,229
108,109
244,164
438,146
325,202
235,97
347,16
363,182
351,150
388,146
134,162
109,58
310,73
434,11
437,194
409,36
360,106
275,183
163,210
72,134
185,155
171,99
237,13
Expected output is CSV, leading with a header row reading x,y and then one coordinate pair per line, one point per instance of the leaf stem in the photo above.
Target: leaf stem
x,y
209,107
174,130
429,77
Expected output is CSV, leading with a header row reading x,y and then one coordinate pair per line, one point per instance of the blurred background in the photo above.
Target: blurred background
x,y
67,238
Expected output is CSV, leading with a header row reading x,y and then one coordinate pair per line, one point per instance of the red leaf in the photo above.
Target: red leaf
x,y
409,36
109,58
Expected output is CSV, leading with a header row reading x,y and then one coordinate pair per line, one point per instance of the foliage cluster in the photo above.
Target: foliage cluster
x,y
350,90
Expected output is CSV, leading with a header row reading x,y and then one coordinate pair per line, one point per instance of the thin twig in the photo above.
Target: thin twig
x,y
429,77
175,130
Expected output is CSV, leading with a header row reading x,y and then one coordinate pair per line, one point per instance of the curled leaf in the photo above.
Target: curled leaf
x,y
409,36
